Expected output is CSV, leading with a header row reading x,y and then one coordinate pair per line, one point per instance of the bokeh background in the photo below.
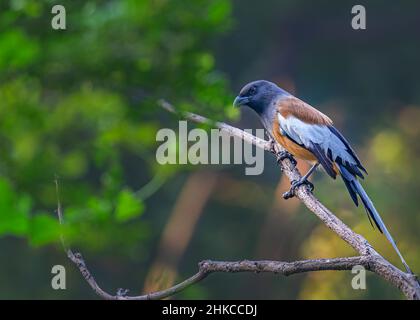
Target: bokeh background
x,y
81,104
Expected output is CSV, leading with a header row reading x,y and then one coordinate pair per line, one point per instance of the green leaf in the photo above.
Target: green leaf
x,y
14,211
218,11
128,206
10,57
43,229
100,208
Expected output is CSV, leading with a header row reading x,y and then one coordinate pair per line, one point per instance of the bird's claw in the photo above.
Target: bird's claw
x,y
272,145
296,184
122,292
285,155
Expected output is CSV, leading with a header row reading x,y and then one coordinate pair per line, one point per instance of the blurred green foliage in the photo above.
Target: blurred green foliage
x,y
78,103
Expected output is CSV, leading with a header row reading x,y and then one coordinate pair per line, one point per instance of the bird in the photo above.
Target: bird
x,y
308,134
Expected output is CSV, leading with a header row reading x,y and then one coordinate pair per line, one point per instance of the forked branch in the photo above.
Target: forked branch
x,y
368,257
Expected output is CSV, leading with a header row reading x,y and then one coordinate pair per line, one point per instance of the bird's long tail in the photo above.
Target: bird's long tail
x,y
355,189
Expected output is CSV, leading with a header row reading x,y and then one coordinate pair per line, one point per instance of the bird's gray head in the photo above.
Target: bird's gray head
x,y
258,95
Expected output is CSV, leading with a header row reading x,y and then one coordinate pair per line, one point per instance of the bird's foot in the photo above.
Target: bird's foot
x,y
285,155
296,184
121,293
272,145
281,155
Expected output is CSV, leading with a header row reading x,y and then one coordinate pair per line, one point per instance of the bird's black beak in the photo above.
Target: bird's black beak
x,y
240,101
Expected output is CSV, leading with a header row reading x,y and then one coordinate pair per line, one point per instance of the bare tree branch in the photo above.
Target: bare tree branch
x,y
369,257
406,282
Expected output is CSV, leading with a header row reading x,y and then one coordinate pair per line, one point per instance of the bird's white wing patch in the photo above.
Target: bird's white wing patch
x,y
308,134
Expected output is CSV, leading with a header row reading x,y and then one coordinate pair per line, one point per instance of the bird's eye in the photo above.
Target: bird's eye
x,y
252,91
